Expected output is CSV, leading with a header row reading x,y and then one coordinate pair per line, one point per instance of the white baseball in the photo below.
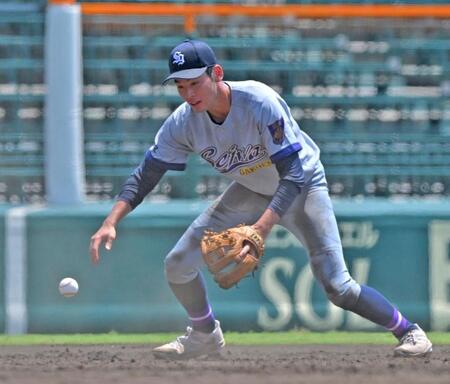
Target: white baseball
x,y
68,287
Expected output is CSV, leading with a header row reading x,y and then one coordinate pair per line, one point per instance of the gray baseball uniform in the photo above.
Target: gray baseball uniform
x,y
273,165
258,131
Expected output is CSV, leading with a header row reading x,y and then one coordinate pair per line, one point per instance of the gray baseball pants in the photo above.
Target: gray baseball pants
x,y
310,219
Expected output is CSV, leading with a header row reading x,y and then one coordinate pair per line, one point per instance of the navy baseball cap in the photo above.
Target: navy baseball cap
x,y
190,59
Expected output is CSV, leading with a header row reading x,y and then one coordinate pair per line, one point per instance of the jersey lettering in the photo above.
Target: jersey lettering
x,y
234,156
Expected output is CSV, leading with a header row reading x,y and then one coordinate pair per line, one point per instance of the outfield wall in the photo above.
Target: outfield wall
x,y
402,249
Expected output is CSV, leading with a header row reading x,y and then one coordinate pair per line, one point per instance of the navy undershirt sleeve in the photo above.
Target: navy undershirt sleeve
x,y
291,181
141,182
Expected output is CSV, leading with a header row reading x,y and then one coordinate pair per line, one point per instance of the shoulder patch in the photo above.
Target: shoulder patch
x,y
276,129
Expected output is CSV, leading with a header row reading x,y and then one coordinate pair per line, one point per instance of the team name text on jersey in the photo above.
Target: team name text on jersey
x,y
234,156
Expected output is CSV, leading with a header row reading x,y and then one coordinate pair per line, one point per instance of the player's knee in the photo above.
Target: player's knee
x,y
344,295
176,270
173,267
329,268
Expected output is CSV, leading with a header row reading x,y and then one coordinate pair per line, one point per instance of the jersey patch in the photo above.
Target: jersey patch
x,y
276,129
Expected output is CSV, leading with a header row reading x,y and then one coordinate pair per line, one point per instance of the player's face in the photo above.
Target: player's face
x,y
199,93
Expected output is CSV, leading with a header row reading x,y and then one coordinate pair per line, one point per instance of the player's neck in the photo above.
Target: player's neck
x,y
222,105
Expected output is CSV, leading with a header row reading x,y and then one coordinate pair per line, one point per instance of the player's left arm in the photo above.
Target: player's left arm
x,y
279,133
291,180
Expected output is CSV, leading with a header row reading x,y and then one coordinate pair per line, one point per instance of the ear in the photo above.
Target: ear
x,y
217,73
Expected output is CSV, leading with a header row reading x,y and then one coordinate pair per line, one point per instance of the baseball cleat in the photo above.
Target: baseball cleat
x,y
193,344
414,343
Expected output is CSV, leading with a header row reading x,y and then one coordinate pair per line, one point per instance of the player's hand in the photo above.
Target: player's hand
x,y
106,234
248,248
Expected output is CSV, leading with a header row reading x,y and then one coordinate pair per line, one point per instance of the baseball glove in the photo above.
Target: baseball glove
x,y
221,253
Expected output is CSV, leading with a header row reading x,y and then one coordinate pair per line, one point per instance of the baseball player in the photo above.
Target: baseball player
x,y
246,132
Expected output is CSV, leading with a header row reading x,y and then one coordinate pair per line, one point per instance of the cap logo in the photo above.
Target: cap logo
x,y
178,58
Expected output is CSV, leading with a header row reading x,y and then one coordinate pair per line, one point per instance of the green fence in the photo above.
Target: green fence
x,y
402,249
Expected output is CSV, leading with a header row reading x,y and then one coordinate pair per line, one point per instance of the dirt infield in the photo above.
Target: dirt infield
x,y
281,364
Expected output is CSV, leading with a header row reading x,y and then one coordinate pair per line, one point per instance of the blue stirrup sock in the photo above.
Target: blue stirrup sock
x,y
373,306
192,296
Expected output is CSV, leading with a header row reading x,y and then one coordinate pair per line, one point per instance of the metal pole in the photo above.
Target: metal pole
x,y
64,160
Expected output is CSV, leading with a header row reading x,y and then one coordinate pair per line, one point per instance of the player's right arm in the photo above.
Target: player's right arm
x,y
138,185
170,152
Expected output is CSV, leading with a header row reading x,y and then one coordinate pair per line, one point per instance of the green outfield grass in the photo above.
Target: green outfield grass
x,y
251,338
